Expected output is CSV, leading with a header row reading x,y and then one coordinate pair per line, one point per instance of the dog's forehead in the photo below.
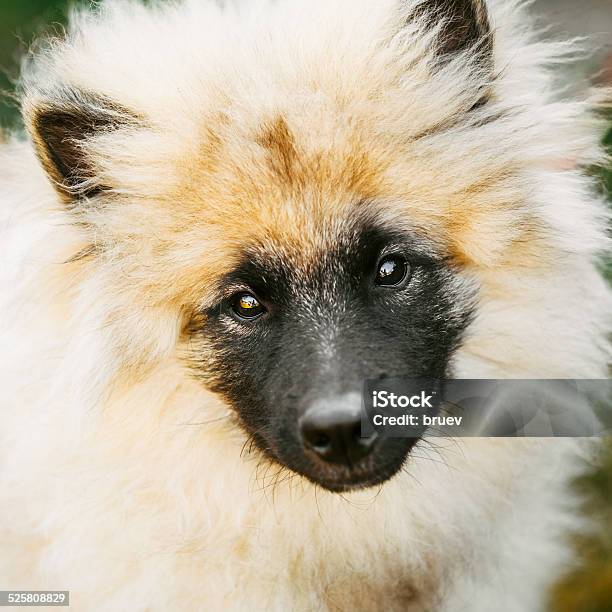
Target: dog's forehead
x,y
287,192
312,246
282,180
333,156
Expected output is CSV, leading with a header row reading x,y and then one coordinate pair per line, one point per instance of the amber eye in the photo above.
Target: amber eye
x,y
247,306
392,271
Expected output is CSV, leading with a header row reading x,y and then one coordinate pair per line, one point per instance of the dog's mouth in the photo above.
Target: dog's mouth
x,y
355,482
380,465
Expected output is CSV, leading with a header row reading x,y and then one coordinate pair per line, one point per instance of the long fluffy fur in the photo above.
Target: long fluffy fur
x,y
122,478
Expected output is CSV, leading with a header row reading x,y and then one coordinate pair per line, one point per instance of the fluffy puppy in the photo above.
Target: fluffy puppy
x,y
223,219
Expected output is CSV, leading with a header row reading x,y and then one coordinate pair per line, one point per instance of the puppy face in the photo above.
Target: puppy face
x,y
294,334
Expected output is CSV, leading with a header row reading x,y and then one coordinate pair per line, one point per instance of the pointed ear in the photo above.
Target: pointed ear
x,y
62,127
463,25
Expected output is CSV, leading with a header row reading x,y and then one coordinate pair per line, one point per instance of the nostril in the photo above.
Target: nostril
x,y
316,438
320,442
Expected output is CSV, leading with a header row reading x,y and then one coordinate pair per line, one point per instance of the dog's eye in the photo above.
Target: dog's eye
x,y
247,306
392,271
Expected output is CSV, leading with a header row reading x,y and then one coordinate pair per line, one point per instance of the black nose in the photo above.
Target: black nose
x,y
333,431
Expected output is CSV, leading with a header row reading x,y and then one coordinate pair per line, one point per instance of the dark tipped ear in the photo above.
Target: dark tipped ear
x,y
61,128
464,25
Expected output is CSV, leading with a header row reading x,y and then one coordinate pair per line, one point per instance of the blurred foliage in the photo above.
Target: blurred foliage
x,y
589,587
20,21
606,173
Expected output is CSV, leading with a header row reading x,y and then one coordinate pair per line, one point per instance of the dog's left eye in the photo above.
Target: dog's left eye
x,y
247,306
393,271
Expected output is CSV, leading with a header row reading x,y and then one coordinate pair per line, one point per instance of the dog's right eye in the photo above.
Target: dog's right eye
x,y
247,306
392,271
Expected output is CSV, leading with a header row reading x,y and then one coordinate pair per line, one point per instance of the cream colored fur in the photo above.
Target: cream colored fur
x,y
122,478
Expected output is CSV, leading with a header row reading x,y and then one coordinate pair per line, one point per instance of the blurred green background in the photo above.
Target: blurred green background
x,y
589,587
19,22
